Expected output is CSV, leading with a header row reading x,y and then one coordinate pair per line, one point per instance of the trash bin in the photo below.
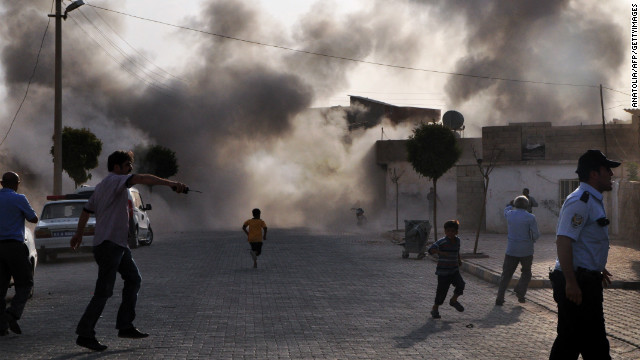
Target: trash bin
x,y
416,233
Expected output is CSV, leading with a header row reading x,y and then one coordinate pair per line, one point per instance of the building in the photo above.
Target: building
x,y
537,156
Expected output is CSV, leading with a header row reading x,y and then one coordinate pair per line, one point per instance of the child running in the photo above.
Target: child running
x,y
448,268
255,234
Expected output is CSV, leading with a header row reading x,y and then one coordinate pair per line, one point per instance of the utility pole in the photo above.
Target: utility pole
x,y
57,113
57,109
604,129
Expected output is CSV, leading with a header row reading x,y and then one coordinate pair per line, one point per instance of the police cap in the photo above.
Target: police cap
x,y
592,160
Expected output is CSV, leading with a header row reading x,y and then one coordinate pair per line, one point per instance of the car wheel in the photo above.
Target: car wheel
x,y
149,239
133,238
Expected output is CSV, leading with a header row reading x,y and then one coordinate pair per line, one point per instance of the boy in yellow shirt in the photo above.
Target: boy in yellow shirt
x,y
255,235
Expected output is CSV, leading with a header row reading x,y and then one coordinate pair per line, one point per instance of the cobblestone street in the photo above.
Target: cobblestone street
x,y
313,296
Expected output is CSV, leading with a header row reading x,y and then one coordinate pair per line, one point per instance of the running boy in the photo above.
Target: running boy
x,y
448,268
255,235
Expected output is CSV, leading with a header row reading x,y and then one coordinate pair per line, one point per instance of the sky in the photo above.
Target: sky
x,y
237,113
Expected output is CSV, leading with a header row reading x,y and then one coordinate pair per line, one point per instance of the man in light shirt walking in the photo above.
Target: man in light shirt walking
x,y
522,233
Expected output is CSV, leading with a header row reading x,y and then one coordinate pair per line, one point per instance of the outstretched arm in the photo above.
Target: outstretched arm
x,y
148,179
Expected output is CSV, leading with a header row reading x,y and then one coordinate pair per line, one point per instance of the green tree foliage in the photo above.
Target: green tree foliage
x,y
80,151
432,150
157,160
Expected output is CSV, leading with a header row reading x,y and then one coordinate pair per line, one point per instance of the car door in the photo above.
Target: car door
x,y
141,218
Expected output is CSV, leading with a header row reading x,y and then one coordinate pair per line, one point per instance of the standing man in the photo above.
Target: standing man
x,y
580,273
532,201
14,253
110,247
521,234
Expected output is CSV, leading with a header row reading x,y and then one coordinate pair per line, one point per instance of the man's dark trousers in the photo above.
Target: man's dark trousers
x,y
580,327
112,259
14,261
508,268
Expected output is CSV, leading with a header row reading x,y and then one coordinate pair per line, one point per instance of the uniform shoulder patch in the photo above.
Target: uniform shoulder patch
x,y
584,197
576,220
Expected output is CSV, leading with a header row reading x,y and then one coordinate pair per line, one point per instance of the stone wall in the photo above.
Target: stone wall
x,y
470,195
629,211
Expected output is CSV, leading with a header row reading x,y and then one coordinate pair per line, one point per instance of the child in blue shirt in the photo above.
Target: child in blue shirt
x,y
448,268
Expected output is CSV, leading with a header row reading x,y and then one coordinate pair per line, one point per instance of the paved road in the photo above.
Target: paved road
x,y
314,296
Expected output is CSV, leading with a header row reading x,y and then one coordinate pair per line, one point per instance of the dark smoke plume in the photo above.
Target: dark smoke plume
x,y
240,126
549,40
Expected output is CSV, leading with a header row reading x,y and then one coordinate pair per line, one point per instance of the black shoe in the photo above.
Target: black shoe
x,y
90,343
435,314
521,298
499,302
13,323
131,333
457,305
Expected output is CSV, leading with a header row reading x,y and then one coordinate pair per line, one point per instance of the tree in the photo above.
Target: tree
x,y
80,151
433,150
485,170
157,160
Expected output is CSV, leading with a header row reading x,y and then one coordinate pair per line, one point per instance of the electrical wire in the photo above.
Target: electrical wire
x,y
135,50
402,67
33,73
161,88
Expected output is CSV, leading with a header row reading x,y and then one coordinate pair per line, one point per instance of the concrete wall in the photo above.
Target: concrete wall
x,y
629,211
543,182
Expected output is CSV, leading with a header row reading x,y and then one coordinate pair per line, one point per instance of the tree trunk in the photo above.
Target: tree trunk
x,y
435,196
482,212
396,205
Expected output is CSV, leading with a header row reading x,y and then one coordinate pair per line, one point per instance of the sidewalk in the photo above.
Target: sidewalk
x,y
623,262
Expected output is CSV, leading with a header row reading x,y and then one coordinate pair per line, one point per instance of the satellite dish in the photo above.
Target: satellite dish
x,y
453,120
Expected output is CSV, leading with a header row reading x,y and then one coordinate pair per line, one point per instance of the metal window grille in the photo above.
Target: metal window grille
x,y
566,188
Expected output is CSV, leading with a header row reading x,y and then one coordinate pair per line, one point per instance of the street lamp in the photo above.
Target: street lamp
x,y
57,118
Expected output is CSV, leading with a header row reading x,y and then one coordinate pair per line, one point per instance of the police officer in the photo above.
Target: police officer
x,y
580,273
14,253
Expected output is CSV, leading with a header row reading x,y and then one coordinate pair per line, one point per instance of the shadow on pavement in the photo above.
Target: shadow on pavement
x,y
88,354
422,333
501,315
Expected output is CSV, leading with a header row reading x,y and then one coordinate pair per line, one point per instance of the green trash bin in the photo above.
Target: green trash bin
x,y
416,233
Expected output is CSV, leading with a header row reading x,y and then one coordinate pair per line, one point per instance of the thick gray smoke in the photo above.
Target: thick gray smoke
x,y
240,124
239,120
549,40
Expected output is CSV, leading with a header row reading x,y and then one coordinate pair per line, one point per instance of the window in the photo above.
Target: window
x,y
566,188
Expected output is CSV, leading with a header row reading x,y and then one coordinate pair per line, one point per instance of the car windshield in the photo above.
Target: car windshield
x,y
63,210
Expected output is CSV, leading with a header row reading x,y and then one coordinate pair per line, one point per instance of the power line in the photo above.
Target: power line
x,y
161,88
33,73
136,50
352,59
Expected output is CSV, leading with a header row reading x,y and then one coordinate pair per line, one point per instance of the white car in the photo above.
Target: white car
x,y
33,254
140,232
58,223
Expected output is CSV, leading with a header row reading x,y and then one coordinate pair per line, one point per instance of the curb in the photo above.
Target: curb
x,y
494,278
